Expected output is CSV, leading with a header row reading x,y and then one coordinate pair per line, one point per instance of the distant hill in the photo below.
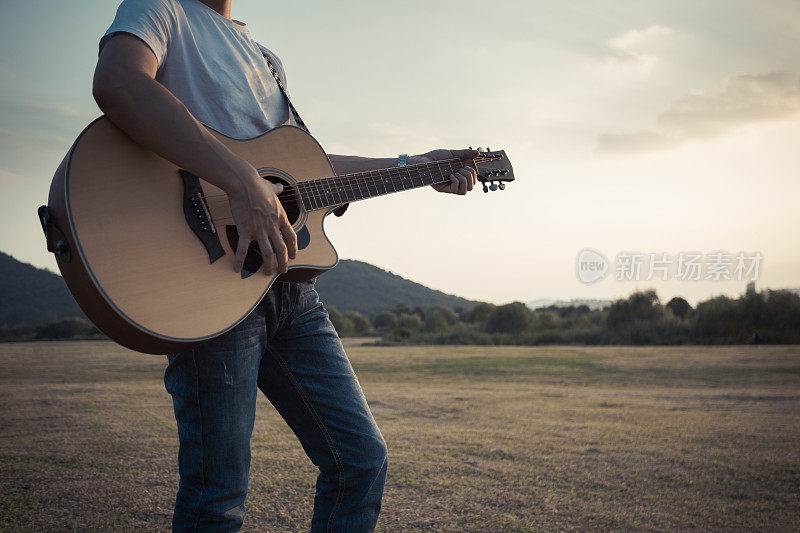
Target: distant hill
x,y
591,304
31,296
359,286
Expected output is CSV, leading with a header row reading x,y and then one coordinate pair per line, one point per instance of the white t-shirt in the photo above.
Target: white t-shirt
x,y
209,63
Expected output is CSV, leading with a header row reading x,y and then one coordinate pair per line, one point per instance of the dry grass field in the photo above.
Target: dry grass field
x,y
480,439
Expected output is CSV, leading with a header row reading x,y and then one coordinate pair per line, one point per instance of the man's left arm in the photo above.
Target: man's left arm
x,y
460,182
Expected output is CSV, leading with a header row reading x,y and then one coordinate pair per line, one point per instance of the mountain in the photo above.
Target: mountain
x,y
359,286
591,304
30,295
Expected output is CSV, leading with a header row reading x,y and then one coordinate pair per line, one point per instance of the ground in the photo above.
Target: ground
x,y
480,439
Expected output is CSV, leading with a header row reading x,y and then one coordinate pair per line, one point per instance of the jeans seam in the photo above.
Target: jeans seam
x,y
321,426
202,443
300,291
284,316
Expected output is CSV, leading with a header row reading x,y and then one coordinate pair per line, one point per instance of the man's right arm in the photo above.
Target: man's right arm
x,y
126,91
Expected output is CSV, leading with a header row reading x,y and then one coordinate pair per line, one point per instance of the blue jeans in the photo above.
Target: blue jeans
x,y
289,349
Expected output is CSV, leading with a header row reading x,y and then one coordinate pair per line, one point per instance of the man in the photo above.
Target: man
x,y
164,67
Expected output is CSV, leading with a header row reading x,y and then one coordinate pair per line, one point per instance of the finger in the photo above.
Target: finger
x,y
473,175
465,154
241,252
267,255
279,247
461,186
452,187
467,177
290,238
277,187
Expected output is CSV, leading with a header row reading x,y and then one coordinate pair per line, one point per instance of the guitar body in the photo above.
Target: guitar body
x,y
137,263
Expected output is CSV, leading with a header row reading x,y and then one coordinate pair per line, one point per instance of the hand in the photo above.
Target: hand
x,y
260,217
460,182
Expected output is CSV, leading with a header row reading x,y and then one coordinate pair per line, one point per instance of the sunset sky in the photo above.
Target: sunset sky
x,y
651,127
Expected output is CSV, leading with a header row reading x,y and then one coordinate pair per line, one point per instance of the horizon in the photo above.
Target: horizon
x,y
631,128
542,301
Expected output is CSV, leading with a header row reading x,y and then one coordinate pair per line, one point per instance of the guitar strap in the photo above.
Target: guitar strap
x,y
292,110
339,211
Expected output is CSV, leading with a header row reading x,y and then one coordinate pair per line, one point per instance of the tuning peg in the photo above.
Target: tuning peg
x,y
485,188
480,149
503,172
502,186
470,147
488,149
493,186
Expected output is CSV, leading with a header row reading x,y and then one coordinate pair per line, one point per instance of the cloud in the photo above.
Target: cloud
x,y
627,49
50,108
6,176
743,99
18,140
637,141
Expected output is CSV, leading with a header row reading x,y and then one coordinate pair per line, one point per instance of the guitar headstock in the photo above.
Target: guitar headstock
x,y
494,169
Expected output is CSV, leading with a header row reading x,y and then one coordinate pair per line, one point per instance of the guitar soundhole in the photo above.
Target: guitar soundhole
x,y
288,198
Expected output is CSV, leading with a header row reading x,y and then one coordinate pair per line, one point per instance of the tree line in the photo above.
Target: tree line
x,y
770,317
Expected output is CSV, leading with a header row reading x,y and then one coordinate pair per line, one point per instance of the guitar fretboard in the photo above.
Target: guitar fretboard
x,y
337,190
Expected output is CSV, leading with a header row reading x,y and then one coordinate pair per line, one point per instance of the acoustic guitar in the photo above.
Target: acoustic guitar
x,y
140,242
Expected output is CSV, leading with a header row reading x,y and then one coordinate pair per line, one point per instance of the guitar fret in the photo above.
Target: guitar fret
x,y
360,190
352,193
312,187
337,190
372,186
306,204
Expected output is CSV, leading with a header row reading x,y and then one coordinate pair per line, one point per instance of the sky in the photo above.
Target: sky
x,y
634,128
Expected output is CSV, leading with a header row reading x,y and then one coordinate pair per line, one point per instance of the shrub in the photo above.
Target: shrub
x,y
480,313
66,329
545,320
385,320
639,306
410,322
718,321
435,323
679,307
440,319
361,324
344,326
510,318
449,314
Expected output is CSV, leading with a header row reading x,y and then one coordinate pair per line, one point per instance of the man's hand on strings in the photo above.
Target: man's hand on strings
x,y
460,182
260,217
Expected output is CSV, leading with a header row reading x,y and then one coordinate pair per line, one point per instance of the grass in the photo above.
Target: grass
x,y
480,439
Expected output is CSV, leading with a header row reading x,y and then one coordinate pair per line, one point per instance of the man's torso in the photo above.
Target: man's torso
x,y
210,63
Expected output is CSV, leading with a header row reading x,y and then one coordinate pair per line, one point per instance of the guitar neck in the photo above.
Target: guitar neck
x,y
338,190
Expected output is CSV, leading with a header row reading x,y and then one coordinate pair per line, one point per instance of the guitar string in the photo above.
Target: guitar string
x,y
315,189
327,199
357,177
227,218
362,180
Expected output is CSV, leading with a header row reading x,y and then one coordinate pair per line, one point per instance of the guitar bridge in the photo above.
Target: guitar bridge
x,y
203,215
198,217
